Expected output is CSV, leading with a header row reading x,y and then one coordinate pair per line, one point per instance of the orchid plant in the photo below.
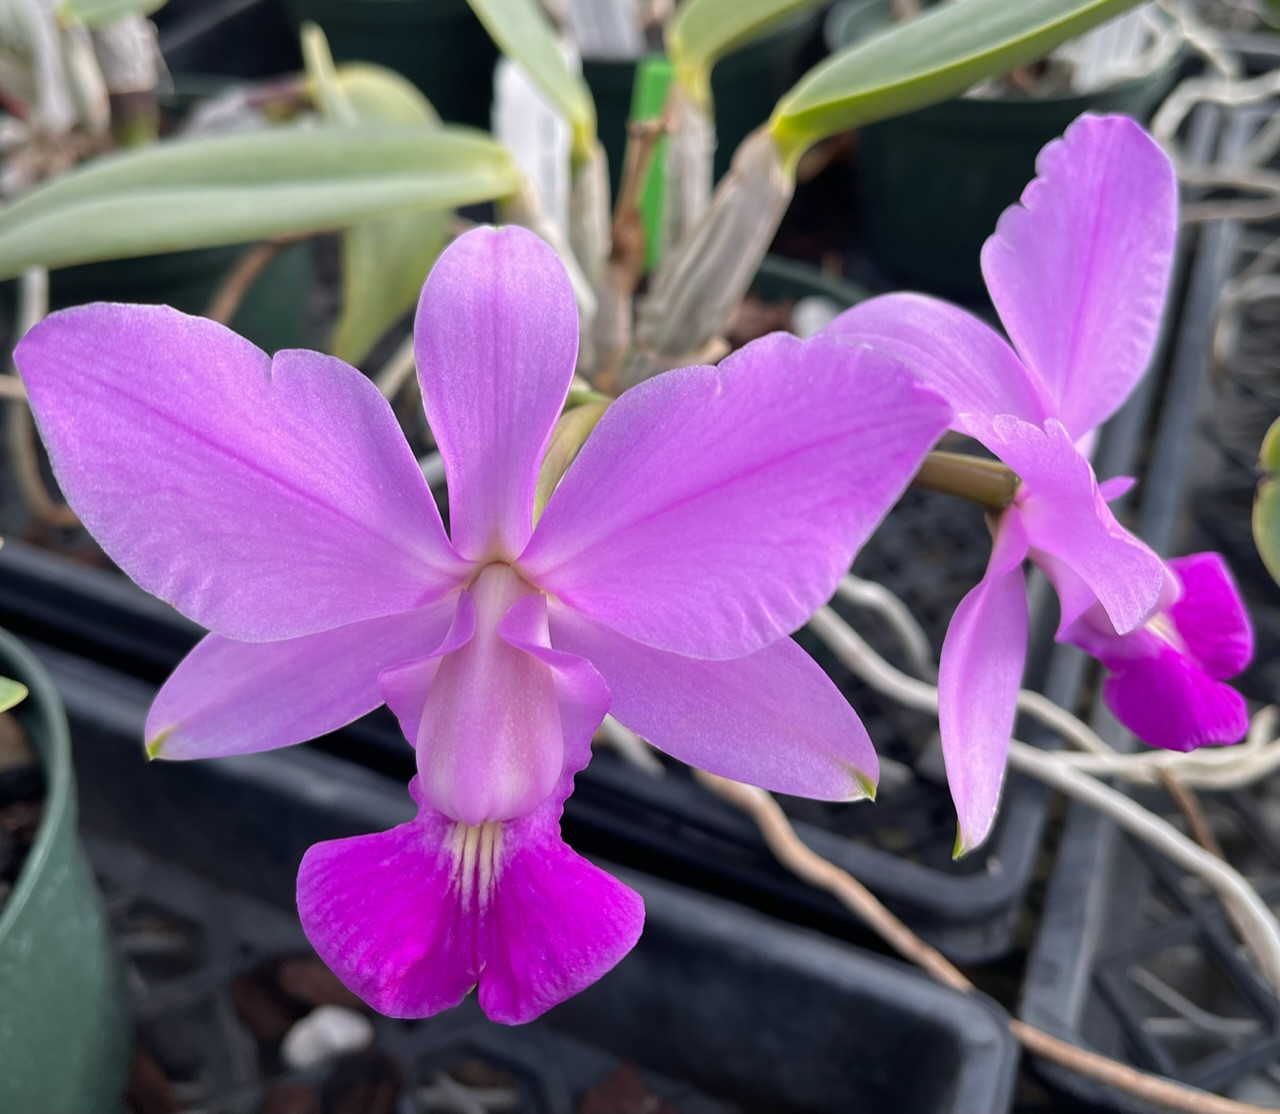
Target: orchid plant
x,y
643,550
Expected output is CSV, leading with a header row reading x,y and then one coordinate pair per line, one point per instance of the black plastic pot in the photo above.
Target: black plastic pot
x,y
233,38
745,86
1124,935
717,1009
439,45
933,182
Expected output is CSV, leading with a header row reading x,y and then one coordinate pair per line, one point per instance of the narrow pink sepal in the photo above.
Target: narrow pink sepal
x,y
1079,269
410,924
230,697
265,499
1210,616
496,339
1168,701
713,510
979,674
772,718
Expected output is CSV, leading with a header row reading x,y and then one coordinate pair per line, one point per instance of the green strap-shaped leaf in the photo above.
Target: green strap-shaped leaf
x,y
100,13
227,189
934,56
384,262
525,35
703,31
1266,504
11,692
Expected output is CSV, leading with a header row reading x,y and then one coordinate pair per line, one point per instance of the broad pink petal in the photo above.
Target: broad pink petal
x,y
1167,700
265,499
979,674
230,697
712,510
951,351
772,718
413,918
496,338
1209,615
1065,516
1079,270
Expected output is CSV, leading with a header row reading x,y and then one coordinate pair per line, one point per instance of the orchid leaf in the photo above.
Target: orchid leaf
x,y
703,31
924,60
100,13
525,35
1266,504
11,693
384,262
227,189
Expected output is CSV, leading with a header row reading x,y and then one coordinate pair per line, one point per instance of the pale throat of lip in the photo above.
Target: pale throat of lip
x,y
1162,626
476,855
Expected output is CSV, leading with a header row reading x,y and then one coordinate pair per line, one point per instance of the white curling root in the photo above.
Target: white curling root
x,y
397,371
631,748
1262,932
879,600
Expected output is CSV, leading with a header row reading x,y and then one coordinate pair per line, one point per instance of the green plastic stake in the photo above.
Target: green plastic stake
x,y
648,96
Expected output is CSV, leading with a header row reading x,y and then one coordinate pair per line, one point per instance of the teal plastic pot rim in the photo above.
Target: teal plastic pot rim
x,y
41,709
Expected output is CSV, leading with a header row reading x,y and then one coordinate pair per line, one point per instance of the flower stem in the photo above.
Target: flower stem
x,y
988,483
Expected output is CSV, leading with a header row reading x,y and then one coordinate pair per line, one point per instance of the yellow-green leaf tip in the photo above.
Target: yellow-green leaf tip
x,y
12,693
866,786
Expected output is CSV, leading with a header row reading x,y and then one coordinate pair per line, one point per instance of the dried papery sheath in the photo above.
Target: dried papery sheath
x,y
700,284
691,146
589,214
85,80
129,55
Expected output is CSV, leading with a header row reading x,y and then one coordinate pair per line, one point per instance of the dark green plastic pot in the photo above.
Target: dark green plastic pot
x,y
780,279
745,85
934,182
439,45
65,1035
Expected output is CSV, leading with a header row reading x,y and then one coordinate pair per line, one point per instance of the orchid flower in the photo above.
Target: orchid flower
x,y
276,502
1165,678
1078,272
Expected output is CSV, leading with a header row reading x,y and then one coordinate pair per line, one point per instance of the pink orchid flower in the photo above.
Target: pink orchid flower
x,y
276,502
1078,272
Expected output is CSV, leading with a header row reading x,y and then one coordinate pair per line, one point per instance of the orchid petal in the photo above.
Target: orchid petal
x,y
582,696
412,918
1168,701
1065,516
772,718
404,686
490,742
1079,270
950,351
265,499
979,674
496,338
1209,615
230,697
713,510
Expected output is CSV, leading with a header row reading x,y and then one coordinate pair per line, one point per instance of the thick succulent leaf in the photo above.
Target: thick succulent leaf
x,y
934,56
384,262
11,693
227,189
1266,505
525,35
703,31
99,13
